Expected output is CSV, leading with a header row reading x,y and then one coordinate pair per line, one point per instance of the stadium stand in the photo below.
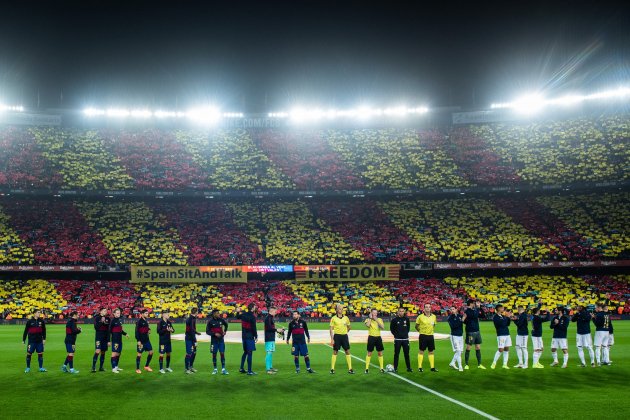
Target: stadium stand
x,y
465,230
392,158
358,298
155,160
307,159
22,164
12,249
82,159
289,233
415,292
478,163
549,290
18,298
564,243
263,294
558,152
232,160
133,234
208,233
179,299
87,297
600,218
56,232
364,226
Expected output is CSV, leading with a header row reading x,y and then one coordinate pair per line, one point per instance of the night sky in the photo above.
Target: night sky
x,y
265,56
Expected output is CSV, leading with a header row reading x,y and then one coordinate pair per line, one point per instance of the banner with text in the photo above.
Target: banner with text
x,y
203,274
384,272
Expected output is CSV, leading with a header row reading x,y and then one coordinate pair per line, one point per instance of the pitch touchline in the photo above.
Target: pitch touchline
x,y
445,397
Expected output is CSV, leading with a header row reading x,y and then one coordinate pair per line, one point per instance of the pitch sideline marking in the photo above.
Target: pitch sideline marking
x,y
429,390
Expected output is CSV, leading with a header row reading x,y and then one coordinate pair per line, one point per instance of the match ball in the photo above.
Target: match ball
x,y
389,368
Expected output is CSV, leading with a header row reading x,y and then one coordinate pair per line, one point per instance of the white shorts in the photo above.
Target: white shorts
x,y
457,343
601,338
537,342
584,340
559,343
521,340
611,339
504,341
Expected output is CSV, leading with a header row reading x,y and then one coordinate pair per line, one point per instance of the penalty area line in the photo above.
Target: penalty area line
x,y
431,391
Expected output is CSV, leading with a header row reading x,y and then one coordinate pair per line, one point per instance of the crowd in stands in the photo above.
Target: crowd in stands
x,y
12,248
465,230
564,243
155,160
22,164
232,160
88,297
558,152
288,232
208,235
602,219
394,158
363,225
133,234
58,298
18,298
550,291
478,162
82,159
307,159
56,232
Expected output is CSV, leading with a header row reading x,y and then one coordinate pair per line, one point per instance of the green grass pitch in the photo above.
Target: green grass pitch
x,y
552,392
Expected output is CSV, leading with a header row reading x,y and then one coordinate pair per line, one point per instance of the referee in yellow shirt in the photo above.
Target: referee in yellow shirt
x,y
375,325
424,325
339,327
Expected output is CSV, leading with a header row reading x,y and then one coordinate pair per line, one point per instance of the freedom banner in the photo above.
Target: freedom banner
x,y
203,274
382,272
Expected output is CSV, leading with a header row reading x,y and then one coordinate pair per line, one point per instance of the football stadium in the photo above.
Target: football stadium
x,y
264,234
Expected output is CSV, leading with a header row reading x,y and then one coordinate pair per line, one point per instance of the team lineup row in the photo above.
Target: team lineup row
x,y
109,332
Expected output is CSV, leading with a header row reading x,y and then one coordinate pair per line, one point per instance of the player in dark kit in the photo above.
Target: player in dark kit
x,y
164,330
399,327
583,337
116,334
35,331
191,341
537,342
72,330
559,325
249,336
299,331
457,338
473,336
216,328
144,344
101,325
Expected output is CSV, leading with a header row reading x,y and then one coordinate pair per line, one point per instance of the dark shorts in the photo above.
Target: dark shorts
x,y
166,348
191,346
426,342
473,338
375,342
35,348
145,347
299,349
100,343
219,346
249,345
69,348
341,342
117,346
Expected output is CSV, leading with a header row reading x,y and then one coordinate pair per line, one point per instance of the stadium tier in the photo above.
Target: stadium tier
x,y
205,232
60,297
503,154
